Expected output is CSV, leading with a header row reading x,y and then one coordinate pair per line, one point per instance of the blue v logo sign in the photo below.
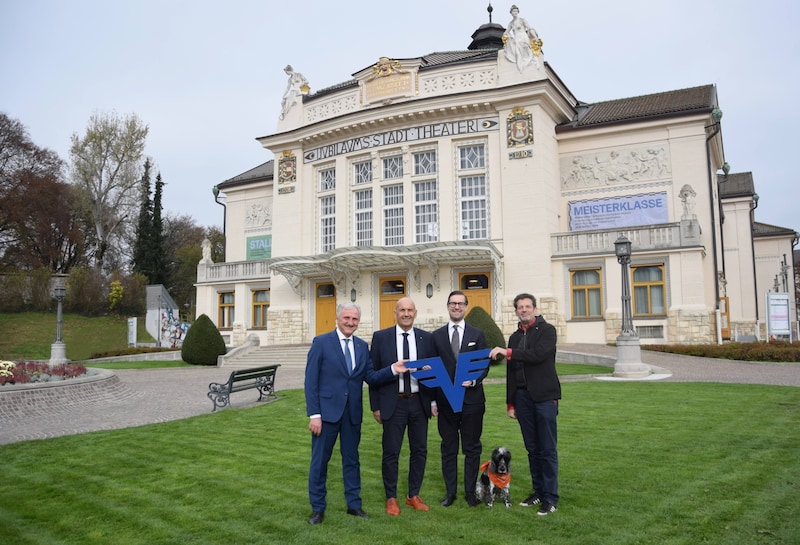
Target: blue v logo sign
x,y
470,366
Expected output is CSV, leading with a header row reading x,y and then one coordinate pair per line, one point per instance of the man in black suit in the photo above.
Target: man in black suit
x,y
402,404
468,424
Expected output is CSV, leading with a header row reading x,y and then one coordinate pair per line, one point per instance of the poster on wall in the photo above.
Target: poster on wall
x,y
259,247
615,212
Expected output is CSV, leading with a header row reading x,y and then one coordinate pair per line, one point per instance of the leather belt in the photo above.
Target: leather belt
x,y
405,396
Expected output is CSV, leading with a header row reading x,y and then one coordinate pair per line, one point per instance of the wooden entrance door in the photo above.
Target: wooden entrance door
x,y
392,289
476,286
325,307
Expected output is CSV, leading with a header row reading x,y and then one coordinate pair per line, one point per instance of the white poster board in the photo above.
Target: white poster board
x,y
778,315
131,331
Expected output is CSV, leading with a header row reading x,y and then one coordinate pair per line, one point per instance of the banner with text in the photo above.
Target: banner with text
x,y
259,247
614,212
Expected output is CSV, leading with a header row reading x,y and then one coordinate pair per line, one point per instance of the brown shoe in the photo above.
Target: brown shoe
x,y
417,503
392,508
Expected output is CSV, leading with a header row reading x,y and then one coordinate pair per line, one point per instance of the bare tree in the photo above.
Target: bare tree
x,y
106,166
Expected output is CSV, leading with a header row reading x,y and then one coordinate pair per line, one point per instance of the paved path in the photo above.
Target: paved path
x,y
158,395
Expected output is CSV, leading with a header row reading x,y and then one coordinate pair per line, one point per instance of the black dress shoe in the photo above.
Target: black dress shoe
x,y
316,517
358,513
472,500
447,501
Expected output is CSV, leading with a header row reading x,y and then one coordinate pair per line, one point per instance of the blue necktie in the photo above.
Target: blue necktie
x,y
347,358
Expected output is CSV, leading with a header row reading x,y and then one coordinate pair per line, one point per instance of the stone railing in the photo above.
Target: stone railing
x,y
651,237
233,271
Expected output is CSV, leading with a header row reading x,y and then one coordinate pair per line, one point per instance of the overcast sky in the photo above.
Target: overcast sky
x,y
207,77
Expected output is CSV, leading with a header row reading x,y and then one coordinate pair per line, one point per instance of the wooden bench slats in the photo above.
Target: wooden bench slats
x,y
262,378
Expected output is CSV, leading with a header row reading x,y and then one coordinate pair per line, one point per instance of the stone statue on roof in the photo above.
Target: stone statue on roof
x,y
522,43
295,87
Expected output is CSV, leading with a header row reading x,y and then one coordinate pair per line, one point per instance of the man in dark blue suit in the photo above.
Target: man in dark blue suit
x,y
338,364
451,339
402,404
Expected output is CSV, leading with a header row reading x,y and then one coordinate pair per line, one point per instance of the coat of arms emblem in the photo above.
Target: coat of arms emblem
x,y
519,128
287,168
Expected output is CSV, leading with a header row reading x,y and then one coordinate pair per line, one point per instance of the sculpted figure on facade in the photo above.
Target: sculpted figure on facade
x,y
258,216
687,196
296,86
206,251
615,167
522,43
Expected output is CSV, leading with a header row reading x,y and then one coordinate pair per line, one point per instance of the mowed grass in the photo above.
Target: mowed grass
x,y
640,463
28,335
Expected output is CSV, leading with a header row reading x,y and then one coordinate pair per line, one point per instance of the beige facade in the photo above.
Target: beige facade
x,y
461,170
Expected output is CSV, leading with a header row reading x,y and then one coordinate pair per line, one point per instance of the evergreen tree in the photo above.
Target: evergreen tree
x,y
160,273
141,245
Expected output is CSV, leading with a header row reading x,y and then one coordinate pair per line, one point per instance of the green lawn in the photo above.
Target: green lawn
x,y
641,463
28,335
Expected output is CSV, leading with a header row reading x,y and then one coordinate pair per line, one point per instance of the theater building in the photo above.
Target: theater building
x,y
479,170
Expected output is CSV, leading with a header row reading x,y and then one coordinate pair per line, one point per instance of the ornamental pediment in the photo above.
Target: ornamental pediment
x,y
388,80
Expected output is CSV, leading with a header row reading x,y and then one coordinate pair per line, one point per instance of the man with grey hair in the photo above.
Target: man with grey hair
x,y
337,366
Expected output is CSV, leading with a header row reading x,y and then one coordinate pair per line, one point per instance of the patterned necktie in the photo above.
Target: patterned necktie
x,y
455,342
347,357
406,356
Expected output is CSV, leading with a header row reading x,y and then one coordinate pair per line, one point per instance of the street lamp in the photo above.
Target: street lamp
x,y
58,350
629,352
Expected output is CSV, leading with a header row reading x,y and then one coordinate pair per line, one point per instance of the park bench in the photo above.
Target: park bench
x,y
262,378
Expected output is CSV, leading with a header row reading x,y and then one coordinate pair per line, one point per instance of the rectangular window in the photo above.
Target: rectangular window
x,y
470,157
586,293
327,180
474,222
393,215
226,310
649,290
260,307
425,163
426,212
327,215
363,206
362,173
392,167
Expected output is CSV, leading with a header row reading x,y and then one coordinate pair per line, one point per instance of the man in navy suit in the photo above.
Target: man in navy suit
x,y
338,364
402,404
469,422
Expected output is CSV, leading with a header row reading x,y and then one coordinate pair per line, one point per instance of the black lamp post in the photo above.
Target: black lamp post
x,y
622,248
629,352
58,350
215,190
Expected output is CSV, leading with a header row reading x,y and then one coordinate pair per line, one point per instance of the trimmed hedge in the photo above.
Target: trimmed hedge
x,y
478,317
775,351
203,343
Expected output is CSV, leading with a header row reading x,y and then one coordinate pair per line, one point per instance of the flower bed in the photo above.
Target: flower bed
x,y
27,372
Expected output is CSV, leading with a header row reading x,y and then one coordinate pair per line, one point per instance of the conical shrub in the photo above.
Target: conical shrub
x,y
478,317
203,343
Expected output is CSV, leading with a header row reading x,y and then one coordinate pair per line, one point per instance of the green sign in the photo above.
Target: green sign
x,y
259,247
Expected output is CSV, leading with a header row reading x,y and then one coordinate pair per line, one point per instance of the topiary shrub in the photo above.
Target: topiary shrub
x,y
203,343
477,317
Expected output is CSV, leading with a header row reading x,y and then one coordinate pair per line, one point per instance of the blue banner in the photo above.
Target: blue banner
x,y
614,212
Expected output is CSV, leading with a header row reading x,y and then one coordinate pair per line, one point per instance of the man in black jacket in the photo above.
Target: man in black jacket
x,y
451,339
532,394
402,404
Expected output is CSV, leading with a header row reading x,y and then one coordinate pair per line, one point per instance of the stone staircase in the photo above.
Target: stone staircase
x,y
290,356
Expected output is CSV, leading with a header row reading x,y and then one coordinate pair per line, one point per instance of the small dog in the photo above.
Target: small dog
x,y
495,478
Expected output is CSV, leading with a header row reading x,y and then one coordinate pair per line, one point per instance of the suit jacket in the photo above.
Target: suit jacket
x,y
472,339
383,397
329,385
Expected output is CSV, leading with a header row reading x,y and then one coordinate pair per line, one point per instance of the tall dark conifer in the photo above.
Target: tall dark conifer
x,y
144,227
159,260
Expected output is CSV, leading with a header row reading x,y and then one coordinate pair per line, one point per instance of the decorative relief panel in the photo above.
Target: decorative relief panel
x,y
478,79
258,215
332,108
605,168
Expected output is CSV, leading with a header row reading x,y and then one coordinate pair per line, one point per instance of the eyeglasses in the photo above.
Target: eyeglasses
x,y
456,304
